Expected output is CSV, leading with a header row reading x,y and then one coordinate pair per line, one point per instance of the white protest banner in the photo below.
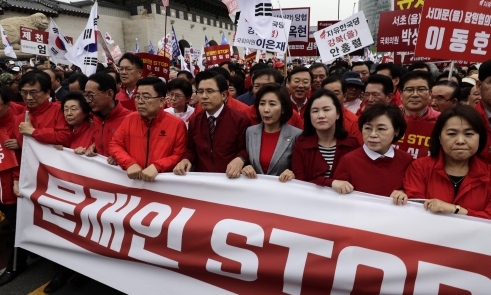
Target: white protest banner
x,y
33,41
206,234
246,37
343,37
300,18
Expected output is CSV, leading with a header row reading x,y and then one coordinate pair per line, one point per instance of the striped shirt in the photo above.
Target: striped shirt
x,y
328,155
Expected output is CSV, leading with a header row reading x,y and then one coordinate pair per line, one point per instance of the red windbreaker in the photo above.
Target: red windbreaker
x,y
83,136
486,152
161,142
105,127
7,176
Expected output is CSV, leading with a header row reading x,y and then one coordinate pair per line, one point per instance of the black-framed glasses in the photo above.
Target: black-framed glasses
x,y
419,90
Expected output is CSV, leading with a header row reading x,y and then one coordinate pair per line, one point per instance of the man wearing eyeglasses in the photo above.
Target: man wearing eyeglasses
x,y
108,113
444,95
45,123
420,117
150,141
216,135
379,88
130,71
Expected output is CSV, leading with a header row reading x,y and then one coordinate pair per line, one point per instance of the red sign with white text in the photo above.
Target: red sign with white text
x,y
156,64
303,48
455,30
416,139
398,30
215,55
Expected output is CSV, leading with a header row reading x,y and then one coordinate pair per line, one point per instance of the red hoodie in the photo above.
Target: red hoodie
x,y
8,174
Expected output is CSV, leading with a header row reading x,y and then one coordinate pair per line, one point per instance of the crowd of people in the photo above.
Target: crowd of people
x,y
341,126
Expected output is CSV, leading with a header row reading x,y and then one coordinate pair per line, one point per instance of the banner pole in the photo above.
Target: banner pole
x,y
452,64
284,31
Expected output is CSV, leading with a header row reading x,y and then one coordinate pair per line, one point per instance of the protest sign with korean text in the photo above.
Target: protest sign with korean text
x,y
303,48
33,41
322,24
206,234
300,18
246,37
215,55
408,4
344,37
455,30
156,64
250,59
398,30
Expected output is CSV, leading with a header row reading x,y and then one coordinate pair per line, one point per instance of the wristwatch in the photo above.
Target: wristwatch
x,y
457,209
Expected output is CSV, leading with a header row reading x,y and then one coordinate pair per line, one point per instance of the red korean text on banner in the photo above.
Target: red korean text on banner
x,y
215,55
398,30
156,64
250,58
455,30
416,140
7,157
408,4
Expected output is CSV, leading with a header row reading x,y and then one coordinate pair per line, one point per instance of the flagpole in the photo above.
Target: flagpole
x,y
165,23
284,31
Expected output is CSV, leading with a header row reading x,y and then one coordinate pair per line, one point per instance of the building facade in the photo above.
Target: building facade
x,y
372,10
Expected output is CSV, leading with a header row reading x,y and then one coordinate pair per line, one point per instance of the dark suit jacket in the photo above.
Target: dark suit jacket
x,y
60,94
282,155
228,143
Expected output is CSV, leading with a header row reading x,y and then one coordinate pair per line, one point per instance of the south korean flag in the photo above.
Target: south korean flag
x,y
259,15
84,52
58,44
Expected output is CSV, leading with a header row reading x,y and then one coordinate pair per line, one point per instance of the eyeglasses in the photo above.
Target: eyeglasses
x,y
441,99
91,96
127,69
175,95
372,94
32,93
145,97
411,90
380,130
208,91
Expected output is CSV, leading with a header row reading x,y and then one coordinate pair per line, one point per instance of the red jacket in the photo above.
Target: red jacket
x,y
8,176
308,163
350,122
486,152
105,127
229,141
83,136
232,103
17,108
426,178
126,101
161,142
294,121
49,122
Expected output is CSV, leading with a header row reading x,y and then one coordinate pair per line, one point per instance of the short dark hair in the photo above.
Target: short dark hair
x,y
267,72
394,70
158,85
415,75
297,60
283,97
75,95
336,70
112,71
105,81
36,76
182,84
5,96
231,66
445,76
336,79
319,65
386,82
299,70
80,78
309,129
359,63
464,94
451,84
133,59
419,65
221,71
238,83
188,75
391,111
465,112
218,78
56,73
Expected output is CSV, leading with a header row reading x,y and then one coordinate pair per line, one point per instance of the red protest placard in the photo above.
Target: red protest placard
x,y
156,64
303,48
250,59
408,4
7,157
455,30
398,30
217,54
322,24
